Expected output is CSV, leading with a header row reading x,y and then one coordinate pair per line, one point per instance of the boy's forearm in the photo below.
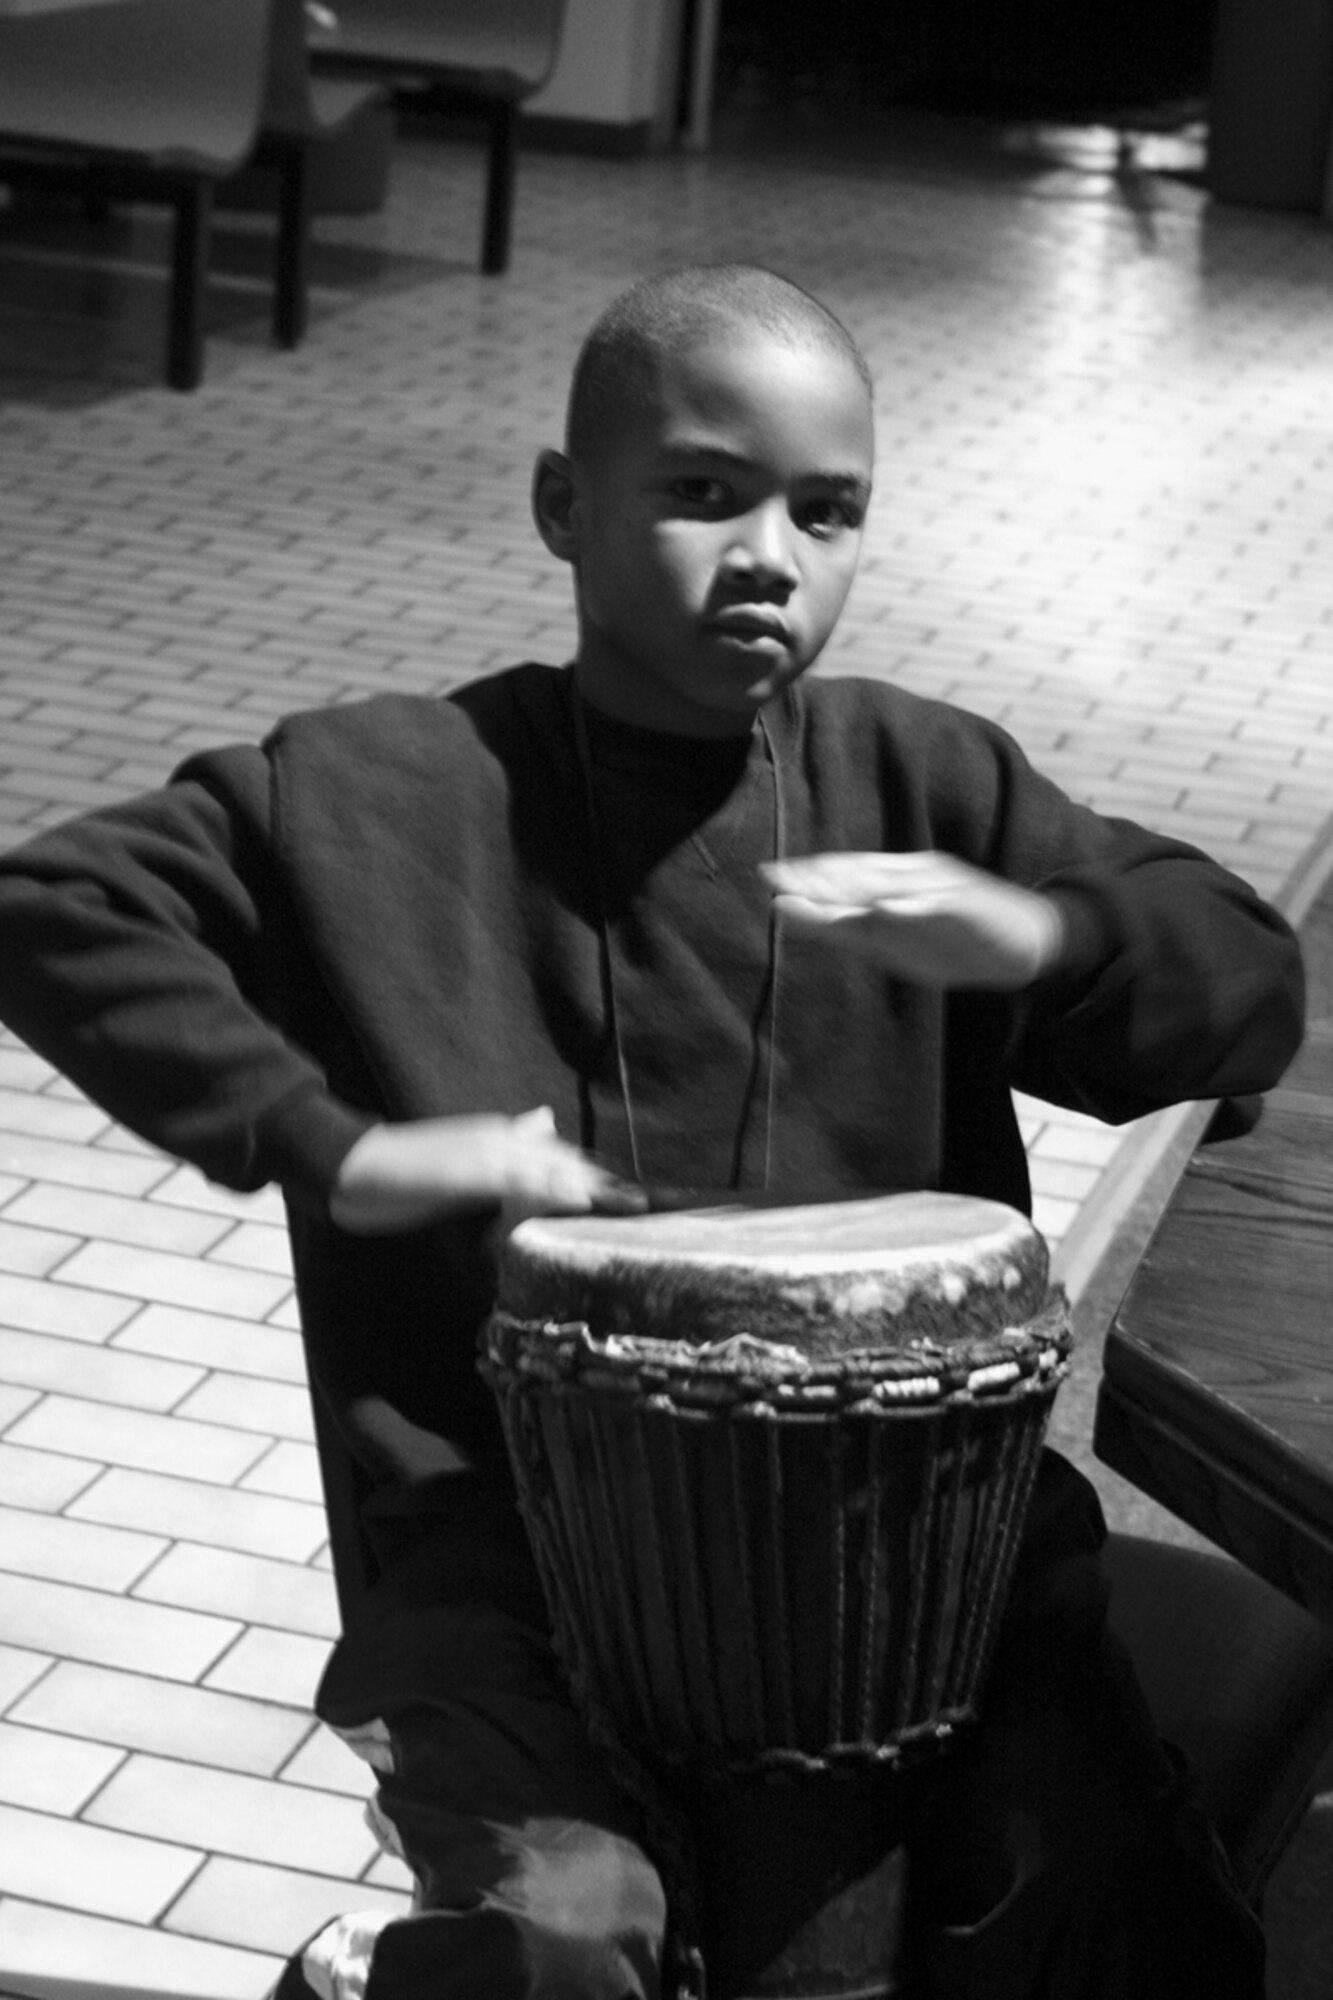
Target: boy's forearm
x,y
1176,980
1197,992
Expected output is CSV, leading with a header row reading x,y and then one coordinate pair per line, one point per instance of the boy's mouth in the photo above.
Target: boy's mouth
x,y
750,625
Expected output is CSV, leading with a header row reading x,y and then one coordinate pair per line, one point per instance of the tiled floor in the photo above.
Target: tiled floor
x,y
1106,419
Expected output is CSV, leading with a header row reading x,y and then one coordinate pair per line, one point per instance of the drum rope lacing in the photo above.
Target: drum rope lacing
x,y
746,1376
517,1367
766,1005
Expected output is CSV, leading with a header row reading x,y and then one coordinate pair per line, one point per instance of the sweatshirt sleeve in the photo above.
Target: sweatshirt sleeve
x,y
1177,981
133,957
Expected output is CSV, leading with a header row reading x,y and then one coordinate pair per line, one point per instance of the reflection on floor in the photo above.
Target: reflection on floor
x,y
1106,440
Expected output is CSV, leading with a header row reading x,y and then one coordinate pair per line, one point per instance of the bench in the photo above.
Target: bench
x,y
161,101
151,101
484,56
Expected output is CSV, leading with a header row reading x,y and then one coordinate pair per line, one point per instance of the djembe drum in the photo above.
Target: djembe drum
x,y
774,1464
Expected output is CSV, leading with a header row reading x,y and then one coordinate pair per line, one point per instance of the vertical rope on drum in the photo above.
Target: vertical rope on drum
x,y
988,1546
835,1437
546,1534
740,1434
916,1596
1020,1448
777,1544
876,1584
572,1513
938,1682
629,1597
697,1672
662,1566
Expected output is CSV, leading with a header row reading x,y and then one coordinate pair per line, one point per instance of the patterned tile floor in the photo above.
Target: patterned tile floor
x,y
1106,417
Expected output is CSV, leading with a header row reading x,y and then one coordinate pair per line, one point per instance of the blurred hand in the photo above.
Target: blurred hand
x,y
399,1177
926,918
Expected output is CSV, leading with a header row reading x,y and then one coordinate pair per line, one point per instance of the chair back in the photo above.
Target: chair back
x,y
298,105
288,105
176,84
501,48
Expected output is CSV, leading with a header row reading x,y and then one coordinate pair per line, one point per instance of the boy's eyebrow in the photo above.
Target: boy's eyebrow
x,y
848,485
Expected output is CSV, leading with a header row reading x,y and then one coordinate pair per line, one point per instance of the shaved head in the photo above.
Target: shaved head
x,y
621,361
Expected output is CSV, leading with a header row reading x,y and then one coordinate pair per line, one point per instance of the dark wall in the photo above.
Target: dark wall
x,y
1001,55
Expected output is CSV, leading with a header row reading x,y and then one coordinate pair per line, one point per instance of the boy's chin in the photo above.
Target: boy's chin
x,y
768,686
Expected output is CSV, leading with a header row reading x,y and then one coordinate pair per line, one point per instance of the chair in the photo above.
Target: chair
x,y
149,100
1237,1674
486,55
1240,1678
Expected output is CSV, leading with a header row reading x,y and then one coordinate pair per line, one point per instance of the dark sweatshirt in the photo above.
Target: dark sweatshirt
x,y
396,910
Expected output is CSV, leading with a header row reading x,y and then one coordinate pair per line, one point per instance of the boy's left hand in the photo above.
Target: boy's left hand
x,y
927,918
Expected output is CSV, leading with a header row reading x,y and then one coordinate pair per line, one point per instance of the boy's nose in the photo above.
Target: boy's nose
x,y
762,547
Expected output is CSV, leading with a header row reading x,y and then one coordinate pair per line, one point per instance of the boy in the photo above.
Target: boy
x,y
669,917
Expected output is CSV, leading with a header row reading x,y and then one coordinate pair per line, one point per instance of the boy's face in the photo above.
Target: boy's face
x,y
716,538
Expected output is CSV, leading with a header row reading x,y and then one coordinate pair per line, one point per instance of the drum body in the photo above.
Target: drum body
x,y
755,1561
776,1566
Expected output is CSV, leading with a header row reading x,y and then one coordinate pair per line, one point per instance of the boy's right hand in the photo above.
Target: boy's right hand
x,y
402,1176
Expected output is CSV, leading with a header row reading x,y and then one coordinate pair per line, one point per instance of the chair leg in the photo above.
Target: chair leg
x,y
189,272
291,283
501,161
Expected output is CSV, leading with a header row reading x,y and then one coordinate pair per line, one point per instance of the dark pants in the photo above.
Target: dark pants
x,y
1054,1854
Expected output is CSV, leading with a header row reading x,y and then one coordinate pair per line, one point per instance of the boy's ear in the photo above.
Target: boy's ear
x,y
553,504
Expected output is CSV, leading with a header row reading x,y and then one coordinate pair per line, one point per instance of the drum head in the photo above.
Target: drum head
x,y
823,1277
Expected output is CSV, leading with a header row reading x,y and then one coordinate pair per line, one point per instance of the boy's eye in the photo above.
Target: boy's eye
x,y
826,518
699,491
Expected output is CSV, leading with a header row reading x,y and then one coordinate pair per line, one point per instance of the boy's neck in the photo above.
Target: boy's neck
x,y
633,711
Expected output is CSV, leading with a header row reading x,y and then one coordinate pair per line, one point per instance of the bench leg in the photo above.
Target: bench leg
x,y
291,283
189,273
501,161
